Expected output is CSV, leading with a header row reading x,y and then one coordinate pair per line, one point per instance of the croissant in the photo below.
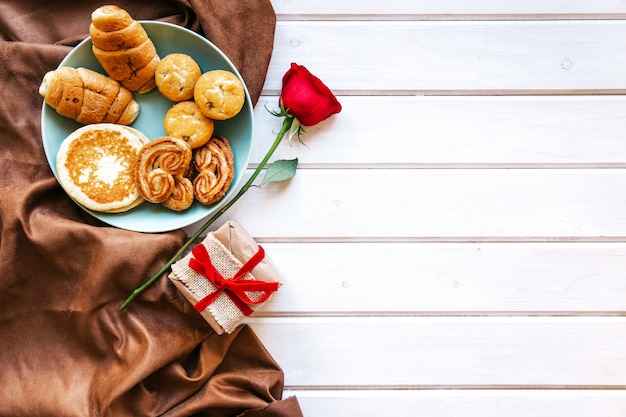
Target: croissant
x,y
88,96
123,48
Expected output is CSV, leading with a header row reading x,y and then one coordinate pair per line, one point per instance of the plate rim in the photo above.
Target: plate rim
x,y
159,226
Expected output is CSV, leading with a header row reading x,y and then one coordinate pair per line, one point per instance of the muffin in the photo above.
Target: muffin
x,y
219,94
176,76
184,120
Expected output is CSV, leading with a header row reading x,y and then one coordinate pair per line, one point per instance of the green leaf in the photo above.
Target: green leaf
x,y
280,170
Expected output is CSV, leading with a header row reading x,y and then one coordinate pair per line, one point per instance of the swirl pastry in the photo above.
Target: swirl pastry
x,y
215,164
158,163
182,196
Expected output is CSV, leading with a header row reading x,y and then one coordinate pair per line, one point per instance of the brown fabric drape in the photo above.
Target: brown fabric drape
x,y
65,348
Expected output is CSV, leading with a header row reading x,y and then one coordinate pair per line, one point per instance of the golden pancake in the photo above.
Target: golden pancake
x,y
95,166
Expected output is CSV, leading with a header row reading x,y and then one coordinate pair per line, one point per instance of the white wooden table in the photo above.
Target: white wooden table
x,y
454,242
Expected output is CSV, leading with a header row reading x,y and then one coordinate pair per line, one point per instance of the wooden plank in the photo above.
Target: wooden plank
x,y
440,204
448,278
454,403
492,57
451,352
454,9
457,132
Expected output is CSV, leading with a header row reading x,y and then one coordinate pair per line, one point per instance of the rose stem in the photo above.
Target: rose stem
x,y
285,127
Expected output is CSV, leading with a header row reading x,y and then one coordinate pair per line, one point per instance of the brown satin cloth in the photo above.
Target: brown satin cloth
x,y
65,348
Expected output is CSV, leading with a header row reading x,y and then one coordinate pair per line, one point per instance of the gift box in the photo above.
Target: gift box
x,y
226,277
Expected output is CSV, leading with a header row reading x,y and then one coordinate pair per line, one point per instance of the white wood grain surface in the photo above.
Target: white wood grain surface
x,y
451,9
454,242
436,352
448,279
439,204
455,57
458,132
468,403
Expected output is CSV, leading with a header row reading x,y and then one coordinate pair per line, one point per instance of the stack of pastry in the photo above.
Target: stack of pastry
x,y
199,99
218,94
159,172
129,58
168,172
188,164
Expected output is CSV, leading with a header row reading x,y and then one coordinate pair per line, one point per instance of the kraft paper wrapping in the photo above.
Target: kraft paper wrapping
x,y
229,247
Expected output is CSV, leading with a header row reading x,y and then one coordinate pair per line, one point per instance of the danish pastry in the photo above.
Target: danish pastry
x,y
182,196
215,164
158,163
219,94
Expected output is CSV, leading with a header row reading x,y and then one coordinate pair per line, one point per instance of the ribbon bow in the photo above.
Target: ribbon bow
x,y
235,287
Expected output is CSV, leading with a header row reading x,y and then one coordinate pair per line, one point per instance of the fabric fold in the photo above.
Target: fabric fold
x,y
65,348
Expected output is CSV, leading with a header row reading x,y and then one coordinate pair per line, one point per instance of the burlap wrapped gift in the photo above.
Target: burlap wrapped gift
x,y
226,277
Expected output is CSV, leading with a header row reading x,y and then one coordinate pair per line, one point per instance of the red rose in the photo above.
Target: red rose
x,y
306,97
304,101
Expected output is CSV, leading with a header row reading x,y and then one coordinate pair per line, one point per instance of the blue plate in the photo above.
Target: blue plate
x,y
167,38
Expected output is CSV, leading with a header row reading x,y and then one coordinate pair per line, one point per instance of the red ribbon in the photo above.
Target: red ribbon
x,y
234,287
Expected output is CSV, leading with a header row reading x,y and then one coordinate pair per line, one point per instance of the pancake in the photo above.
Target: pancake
x,y
95,166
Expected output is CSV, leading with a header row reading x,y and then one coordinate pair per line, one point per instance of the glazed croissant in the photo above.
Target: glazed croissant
x,y
123,48
88,96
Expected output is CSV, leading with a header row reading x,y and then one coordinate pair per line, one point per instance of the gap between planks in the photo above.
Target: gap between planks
x,y
469,93
311,17
448,314
358,390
